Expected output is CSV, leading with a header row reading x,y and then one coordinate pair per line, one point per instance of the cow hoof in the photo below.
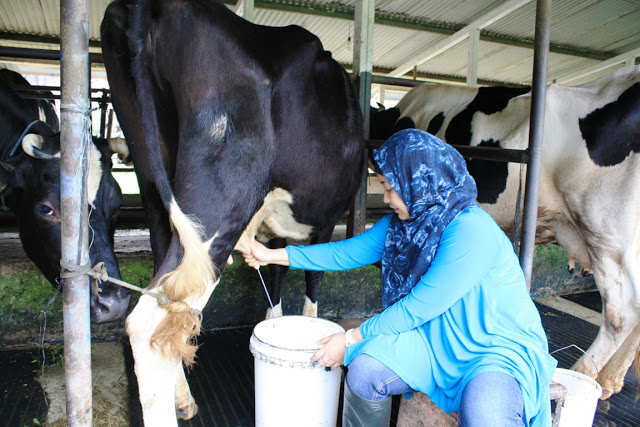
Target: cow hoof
x,y
274,312
310,309
610,390
186,412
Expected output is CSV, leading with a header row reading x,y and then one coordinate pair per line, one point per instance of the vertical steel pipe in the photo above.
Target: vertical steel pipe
x,y
536,134
75,134
364,18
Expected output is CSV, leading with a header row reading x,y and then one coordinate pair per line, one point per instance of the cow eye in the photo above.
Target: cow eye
x,y
46,211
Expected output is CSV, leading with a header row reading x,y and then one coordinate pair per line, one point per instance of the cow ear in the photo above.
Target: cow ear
x,y
33,144
119,146
7,171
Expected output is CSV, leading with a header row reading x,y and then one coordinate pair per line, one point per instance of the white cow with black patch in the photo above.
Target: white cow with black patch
x,y
589,201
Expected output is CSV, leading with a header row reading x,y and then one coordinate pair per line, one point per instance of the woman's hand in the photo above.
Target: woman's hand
x,y
331,355
259,255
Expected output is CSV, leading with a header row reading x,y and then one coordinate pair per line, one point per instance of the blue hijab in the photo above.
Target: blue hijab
x,y
431,178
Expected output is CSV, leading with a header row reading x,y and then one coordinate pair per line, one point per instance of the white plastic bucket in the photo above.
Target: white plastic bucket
x,y
583,393
289,389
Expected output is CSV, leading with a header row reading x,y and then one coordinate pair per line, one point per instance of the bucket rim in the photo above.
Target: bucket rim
x,y
292,317
589,393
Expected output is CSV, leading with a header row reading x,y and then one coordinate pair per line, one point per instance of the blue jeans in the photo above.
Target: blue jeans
x,y
489,399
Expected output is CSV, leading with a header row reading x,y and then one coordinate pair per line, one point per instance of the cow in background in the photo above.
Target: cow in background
x,y
43,108
30,188
242,130
589,201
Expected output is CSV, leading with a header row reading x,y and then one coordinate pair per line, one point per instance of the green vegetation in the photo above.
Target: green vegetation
x,y
239,299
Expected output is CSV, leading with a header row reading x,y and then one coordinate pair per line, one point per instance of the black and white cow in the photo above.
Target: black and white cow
x,y
244,130
589,201
30,187
41,107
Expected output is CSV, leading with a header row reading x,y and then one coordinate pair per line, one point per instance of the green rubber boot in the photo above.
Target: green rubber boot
x,y
359,412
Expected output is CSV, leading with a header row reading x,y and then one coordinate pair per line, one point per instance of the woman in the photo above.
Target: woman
x,y
457,323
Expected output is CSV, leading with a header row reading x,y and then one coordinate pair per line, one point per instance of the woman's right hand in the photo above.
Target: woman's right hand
x,y
259,255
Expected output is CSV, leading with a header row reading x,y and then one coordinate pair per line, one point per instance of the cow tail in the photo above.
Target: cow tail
x,y
176,332
188,281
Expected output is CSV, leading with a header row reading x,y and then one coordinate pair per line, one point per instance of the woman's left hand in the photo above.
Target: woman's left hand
x,y
331,355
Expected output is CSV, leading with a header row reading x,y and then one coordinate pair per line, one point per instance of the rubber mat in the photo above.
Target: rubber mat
x,y
222,379
564,330
222,382
22,402
589,299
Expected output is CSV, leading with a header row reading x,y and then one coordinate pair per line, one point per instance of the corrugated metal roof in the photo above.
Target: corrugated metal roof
x,y
584,33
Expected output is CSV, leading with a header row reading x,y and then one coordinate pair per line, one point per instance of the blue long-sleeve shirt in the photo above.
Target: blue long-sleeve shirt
x,y
469,313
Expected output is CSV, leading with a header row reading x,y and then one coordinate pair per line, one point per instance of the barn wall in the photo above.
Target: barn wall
x,y
239,299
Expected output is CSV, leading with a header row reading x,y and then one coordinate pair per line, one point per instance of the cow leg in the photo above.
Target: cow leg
x,y
277,278
312,278
619,318
156,374
611,378
161,381
186,407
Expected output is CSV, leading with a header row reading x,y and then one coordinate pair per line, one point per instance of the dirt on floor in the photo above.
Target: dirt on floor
x,y
110,403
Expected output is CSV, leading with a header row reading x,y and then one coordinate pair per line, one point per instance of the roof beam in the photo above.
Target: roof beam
x,y
246,8
625,58
347,12
396,20
448,42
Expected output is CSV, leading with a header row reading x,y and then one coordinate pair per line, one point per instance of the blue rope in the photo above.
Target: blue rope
x,y
24,133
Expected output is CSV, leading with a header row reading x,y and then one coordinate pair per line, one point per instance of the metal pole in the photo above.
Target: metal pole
x,y
362,68
75,134
536,133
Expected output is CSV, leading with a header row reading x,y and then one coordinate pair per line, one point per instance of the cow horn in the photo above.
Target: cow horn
x,y
32,144
120,147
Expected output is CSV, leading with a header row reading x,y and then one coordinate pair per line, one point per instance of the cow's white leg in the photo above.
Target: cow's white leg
x,y
619,318
186,407
611,378
310,308
158,375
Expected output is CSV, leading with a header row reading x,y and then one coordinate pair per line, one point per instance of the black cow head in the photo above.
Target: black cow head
x,y
386,122
30,187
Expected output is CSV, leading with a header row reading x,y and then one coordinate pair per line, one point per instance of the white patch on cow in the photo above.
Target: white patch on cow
x,y
219,127
275,312
94,166
42,115
310,308
159,378
274,219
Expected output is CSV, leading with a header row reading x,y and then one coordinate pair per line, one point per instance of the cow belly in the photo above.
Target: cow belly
x,y
274,219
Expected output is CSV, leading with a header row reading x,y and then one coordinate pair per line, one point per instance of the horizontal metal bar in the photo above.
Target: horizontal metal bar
x,y
52,96
395,81
475,152
23,88
46,54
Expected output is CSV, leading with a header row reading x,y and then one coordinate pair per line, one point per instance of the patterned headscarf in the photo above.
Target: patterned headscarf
x,y
431,178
